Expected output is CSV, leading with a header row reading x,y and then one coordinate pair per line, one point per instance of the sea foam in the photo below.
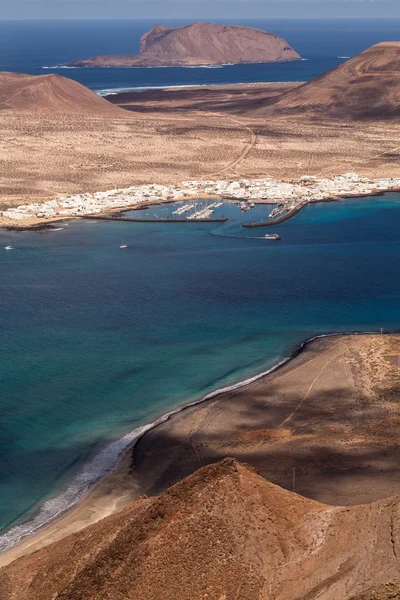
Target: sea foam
x,y
107,459
100,466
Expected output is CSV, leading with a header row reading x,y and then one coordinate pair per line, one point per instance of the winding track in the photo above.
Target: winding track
x,y
245,152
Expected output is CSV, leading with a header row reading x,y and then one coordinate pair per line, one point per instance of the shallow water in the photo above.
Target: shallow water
x,y
97,341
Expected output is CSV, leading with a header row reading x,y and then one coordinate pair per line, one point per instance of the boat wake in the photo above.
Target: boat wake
x,y
237,237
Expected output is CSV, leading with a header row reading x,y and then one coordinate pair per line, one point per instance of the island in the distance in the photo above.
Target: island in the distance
x,y
200,44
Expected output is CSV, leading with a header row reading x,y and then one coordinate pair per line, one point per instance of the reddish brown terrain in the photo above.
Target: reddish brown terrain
x,y
365,87
224,533
239,99
61,138
200,44
19,91
386,591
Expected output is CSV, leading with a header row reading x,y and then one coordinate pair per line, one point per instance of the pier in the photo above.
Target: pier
x,y
288,215
156,220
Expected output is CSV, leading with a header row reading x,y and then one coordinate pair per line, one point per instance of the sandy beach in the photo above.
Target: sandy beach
x,y
325,423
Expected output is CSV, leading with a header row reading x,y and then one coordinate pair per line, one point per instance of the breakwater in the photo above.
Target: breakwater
x,y
288,215
157,220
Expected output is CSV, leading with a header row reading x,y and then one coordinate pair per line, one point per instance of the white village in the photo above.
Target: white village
x,y
287,195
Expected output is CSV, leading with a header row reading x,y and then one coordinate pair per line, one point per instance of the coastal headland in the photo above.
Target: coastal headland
x,y
324,424
223,532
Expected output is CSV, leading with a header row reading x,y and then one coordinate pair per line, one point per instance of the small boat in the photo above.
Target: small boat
x,y
252,205
272,236
8,248
123,245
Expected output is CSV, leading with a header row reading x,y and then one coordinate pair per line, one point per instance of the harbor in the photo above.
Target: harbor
x,y
277,220
288,196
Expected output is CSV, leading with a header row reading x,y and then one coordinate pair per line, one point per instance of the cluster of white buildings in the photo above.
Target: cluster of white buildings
x,y
99,202
286,194
307,188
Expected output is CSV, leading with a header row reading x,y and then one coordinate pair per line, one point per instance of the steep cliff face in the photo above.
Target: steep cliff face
x,y
201,44
153,36
365,87
223,533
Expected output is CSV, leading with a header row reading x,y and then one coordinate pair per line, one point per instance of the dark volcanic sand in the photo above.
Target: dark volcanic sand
x,y
239,98
331,415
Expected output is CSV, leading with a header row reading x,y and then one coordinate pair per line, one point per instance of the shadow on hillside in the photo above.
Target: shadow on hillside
x,y
340,449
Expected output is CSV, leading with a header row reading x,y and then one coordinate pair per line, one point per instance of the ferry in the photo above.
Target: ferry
x,y
272,236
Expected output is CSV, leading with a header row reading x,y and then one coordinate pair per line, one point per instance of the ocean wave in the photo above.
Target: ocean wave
x,y
100,466
60,67
144,88
207,66
95,470
108,458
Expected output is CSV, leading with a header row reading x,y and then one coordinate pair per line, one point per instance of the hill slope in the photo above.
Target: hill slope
x,y
200,44
365,87
52,93
223,533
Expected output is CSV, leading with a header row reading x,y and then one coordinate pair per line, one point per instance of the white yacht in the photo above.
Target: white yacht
x,y
8,248
123,245
272,236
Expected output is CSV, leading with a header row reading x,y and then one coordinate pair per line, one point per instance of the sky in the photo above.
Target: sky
x,y
197,9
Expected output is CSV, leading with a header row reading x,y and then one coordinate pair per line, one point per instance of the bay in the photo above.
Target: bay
x,y
97,341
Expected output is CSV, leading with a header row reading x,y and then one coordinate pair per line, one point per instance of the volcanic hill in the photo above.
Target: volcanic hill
x,y
51,93
365,87
200,44
222,533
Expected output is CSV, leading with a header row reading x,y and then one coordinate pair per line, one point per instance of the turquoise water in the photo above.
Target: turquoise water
x,y
97,341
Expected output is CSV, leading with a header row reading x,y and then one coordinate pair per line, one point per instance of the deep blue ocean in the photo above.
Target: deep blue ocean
x,y
97,341
28,46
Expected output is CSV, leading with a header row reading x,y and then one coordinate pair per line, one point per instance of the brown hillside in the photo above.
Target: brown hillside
x,y
365,87
201,44
223,533
52,93
387,591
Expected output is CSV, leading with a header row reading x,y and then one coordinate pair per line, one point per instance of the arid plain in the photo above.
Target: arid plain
x,y
325,425
196,135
